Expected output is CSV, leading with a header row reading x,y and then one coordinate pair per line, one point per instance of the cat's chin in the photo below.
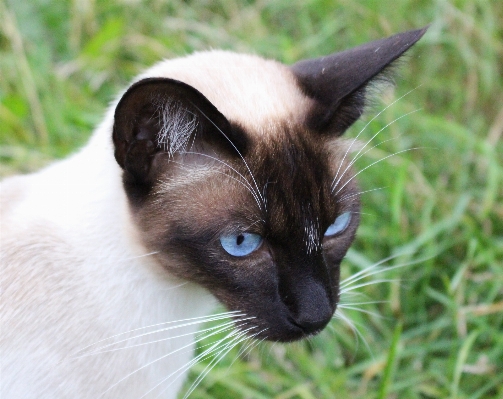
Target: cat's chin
x,y
293,335
289,333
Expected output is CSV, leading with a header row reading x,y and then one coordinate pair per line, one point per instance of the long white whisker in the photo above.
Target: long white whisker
x,y
351,288
244,183
247,186
366,125
219,356
239,153
256,194
249,346
359,155
199,319
354,294
360,213
129,258
340,315
367,269
371,272
254,344
369,312
361,303
142,256
376,162
160,358
258,342
345,197
214,347
243,348
189,364
228,324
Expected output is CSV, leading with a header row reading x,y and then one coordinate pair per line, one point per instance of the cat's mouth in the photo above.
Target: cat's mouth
x,y
312,327
281,325
286,331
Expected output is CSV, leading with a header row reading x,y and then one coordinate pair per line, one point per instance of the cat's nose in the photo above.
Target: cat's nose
x,y
315,320
313,309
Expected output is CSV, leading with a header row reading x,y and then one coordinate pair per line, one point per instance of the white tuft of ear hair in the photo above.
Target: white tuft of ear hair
x,y
178,125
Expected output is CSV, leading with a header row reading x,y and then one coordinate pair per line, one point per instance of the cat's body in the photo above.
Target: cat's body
x,y
98,245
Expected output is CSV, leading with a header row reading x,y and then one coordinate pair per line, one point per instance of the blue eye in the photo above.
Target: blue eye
x,y
340,224
240,244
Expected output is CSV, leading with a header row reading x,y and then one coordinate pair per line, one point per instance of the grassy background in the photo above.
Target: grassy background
x,y
441,330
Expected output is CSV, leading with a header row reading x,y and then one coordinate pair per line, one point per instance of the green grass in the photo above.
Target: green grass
x,y
441,330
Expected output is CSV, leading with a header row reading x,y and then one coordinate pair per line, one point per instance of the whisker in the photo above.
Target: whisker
x,y
345,197
359,154
144,255
189,364
129,258
361,213
256,195
199,319
219,356
376,162
181,370
191,344
241,351
369,268
366,125
369,312
255,343
357,334
345,296
361,303
239,153
357,157
351,288
176,286
249,346
230,323
244,183
369,271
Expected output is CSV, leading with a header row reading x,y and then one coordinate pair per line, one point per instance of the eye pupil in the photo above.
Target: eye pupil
x,y
240,244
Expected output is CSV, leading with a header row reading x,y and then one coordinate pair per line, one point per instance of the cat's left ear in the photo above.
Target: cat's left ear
x,y
159,117
338,82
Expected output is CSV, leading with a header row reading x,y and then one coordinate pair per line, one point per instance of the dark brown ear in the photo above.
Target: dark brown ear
x,y
338,81
163,117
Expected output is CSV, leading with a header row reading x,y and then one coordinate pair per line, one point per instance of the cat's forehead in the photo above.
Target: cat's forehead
x,y
247,89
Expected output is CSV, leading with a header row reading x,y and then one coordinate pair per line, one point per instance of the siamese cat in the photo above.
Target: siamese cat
x,y
216,177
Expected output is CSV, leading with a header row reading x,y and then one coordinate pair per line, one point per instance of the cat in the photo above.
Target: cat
x,y
215,178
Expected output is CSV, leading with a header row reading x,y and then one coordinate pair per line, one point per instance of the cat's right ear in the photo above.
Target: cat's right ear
x,y
157,118
338,82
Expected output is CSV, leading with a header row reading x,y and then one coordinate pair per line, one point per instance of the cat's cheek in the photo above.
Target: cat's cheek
x,y
333,253
251,288
334,271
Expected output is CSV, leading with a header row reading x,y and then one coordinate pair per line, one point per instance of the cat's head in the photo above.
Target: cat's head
x,y
237,176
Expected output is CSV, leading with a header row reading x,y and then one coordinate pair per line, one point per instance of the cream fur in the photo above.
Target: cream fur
x,y
72,269
245,88
72,275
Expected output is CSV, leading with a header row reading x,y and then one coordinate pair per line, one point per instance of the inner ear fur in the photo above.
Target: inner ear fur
x,y
160,115
339,82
